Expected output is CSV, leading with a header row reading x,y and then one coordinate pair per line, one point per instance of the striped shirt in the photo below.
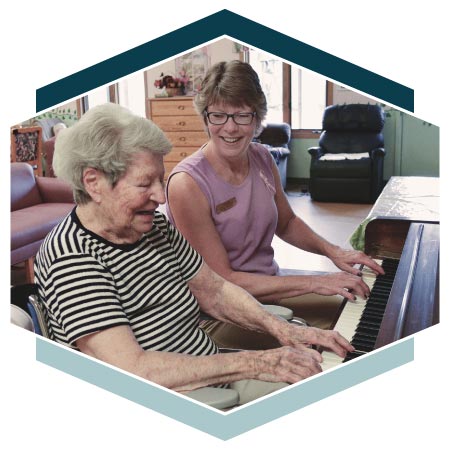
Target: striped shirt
x,y
88,284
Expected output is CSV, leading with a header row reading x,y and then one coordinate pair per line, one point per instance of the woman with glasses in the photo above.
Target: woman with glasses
x,y
227,200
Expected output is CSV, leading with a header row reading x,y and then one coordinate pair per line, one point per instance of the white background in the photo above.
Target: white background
x,y
41,43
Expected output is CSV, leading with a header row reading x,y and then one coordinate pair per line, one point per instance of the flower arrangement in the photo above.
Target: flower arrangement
x,y
172,85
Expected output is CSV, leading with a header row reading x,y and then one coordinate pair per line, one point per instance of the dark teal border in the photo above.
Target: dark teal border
x,y
235,26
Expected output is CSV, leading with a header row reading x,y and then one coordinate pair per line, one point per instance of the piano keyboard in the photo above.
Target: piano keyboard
x,y
360,321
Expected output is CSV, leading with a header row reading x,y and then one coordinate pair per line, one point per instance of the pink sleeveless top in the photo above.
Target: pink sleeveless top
x,y
246,215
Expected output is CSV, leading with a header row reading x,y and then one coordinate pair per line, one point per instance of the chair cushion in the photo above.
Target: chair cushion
x,y
343,156
346,168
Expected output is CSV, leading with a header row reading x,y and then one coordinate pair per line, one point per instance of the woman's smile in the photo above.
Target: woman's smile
x,y
230,140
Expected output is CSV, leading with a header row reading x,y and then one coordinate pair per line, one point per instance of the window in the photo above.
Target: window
x,y
99,96
308,99
294,95
270,73
96,97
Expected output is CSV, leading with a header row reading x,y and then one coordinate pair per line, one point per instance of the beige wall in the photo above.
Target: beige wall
x,y
221,50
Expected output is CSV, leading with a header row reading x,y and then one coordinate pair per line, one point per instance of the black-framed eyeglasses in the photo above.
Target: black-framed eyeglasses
x,y
220,118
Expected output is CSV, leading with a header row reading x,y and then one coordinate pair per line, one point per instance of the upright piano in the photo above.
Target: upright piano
x,y
402,234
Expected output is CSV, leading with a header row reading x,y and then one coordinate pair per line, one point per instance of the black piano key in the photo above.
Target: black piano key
x,y
362,347
353,355
375,324
383,287
380,307
378,299
371,317
383,282
370,310
366,332
363,340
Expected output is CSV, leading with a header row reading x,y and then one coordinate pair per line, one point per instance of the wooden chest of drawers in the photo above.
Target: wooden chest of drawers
x,y
182,125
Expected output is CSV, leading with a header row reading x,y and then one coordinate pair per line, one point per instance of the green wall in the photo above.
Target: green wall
x,y
411,144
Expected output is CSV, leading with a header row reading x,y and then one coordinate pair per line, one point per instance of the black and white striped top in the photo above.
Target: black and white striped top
x,y
88,284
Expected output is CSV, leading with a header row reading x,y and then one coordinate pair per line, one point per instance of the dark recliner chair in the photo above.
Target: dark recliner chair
x,y
348,164
276,137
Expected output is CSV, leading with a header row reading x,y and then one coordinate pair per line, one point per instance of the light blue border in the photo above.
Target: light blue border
x,y
239,420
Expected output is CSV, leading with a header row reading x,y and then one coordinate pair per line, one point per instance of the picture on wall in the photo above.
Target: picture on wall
x,y
194,66
26,144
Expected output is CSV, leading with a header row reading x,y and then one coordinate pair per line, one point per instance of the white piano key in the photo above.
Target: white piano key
x,y
349,319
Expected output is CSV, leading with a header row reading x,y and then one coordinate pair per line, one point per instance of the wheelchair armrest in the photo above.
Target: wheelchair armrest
x,y
220,398
281,311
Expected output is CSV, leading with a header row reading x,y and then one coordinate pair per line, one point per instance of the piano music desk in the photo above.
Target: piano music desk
x,y
404,200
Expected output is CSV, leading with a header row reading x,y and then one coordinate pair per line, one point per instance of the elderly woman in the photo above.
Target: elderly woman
x,y
228,202
119,283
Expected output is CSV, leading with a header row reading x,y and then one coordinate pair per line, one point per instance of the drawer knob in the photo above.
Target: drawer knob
x,y
183,154
182,139
182,123
181,107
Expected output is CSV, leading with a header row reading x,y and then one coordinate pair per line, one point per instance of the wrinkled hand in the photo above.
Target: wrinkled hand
x,y
347,259
297,337
340,283
287,364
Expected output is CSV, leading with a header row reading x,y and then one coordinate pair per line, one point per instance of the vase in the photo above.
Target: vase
x,y
173,91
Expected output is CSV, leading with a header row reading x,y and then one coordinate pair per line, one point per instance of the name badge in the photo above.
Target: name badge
x,y
225,206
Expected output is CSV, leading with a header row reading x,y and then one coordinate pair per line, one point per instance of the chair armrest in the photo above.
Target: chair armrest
x,y
377,153
315,152
280,311
219,398
53,190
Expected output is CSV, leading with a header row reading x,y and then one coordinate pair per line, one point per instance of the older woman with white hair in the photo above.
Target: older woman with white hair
x,y
120,283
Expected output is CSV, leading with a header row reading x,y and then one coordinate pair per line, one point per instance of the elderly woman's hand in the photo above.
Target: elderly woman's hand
x,y
297,337
287,364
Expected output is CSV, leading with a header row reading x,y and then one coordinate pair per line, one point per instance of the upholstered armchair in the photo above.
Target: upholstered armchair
x,y
347,166
276,137
37,205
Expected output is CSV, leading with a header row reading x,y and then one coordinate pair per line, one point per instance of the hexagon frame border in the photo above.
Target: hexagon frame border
x,y
159,399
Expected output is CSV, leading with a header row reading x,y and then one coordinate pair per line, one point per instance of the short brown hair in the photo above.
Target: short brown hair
x,y
233,83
